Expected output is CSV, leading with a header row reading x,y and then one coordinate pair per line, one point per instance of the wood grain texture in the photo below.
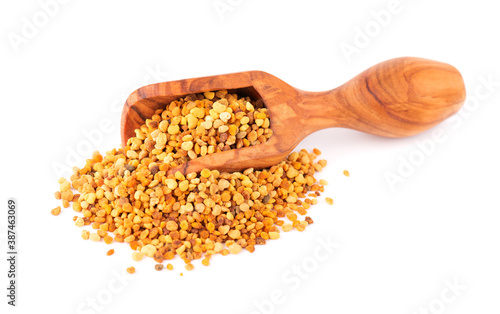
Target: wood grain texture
x,y
396,98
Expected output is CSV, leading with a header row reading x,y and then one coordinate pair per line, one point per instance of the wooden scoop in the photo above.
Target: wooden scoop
x,y
395,98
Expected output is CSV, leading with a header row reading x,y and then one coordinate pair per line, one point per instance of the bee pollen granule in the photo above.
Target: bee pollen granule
x,y
127,195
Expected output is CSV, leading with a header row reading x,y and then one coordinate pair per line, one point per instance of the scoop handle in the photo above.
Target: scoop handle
x,y
396,98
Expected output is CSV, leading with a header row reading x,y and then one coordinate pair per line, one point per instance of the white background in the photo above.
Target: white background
x,y
398,247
